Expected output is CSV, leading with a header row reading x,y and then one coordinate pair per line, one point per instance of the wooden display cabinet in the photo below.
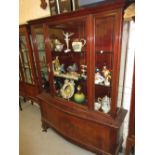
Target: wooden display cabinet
x,y
28,85
82,57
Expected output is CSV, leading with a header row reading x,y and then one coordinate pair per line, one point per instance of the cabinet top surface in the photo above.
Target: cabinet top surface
x,y
81,12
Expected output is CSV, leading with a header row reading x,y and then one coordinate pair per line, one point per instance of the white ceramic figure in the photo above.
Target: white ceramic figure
x,y
98,78
67,39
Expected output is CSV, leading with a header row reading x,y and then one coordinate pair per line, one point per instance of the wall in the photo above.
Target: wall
x,y
128,51
30,9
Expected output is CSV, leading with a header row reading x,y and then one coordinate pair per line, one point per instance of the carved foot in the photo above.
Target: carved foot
x,y
24,99
44,127
31,102
121,149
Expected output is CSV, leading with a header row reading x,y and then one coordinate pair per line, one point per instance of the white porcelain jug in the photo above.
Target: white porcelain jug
x,y
77,45
105,102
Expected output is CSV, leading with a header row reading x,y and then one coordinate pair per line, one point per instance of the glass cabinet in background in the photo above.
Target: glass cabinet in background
x,y
28,86
78,61
40,55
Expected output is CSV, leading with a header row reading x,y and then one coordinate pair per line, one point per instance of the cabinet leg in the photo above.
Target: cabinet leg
x,y
31,102
129,146
44,127
24,99
121,149
20,106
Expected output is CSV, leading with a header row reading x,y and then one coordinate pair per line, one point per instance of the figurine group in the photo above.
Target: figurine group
x,y
103,77
103,104
77,44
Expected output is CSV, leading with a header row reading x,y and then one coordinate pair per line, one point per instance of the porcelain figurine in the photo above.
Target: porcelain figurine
x,y
99,79
83,70
59,47
56,45
56,65
62,68
107,75
72,68
67,39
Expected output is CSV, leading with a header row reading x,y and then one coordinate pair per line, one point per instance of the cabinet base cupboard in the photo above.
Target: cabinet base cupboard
x,y
102,135
78,55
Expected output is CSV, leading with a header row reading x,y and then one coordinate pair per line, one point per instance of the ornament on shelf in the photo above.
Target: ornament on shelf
x,y
105,103
83,70
107,75
58,46
67,39
99,79
79,97
77,44
68,89
72,68
56,66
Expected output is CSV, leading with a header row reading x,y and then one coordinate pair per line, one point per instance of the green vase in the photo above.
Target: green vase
x,y
79,97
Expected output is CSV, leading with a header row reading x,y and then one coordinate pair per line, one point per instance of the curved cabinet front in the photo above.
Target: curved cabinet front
x,y
98,138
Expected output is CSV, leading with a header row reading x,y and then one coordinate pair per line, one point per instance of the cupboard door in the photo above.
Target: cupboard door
x,y
68,48
107,55
40,56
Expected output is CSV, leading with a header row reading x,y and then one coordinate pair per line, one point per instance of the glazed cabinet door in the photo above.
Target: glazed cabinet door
x,y
107,55
40,56
25,58
67,45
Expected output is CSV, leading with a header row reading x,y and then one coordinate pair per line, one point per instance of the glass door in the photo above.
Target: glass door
x,y
68,46
40,57
104,35
25,60
108,27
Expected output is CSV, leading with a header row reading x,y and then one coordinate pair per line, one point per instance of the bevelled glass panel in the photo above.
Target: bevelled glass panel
x,y
42,57
25,60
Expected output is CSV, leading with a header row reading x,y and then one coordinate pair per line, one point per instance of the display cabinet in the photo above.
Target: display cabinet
x,y
28,85
81,55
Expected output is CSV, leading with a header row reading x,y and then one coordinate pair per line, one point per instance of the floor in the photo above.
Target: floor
x,y
32,141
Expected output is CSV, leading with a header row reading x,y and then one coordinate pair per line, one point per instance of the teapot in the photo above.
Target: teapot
x,y
78,44
105,103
